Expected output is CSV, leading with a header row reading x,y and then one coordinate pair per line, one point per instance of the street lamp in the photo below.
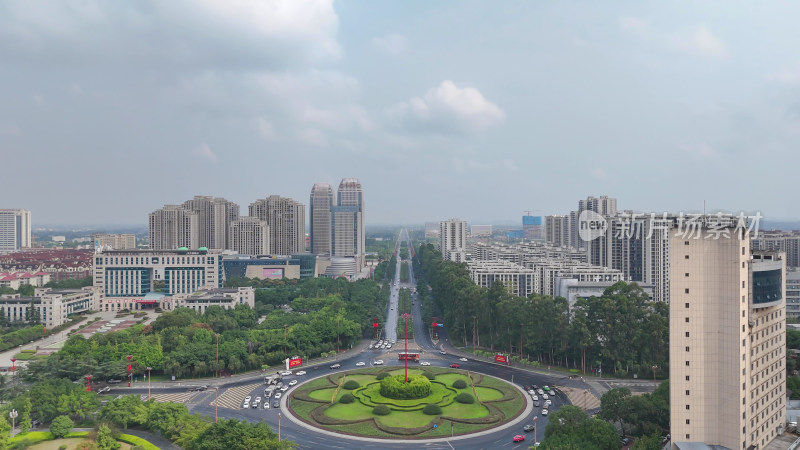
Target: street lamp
x,y
654,373
217,367
13,414
130,376
13,365
148,381
534,430
88,383
216,393
279,427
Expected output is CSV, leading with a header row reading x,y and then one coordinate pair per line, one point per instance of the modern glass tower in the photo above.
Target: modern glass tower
x,y
321,205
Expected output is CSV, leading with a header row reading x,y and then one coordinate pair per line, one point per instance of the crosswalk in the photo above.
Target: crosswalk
x,y
233,397
582,398
177,397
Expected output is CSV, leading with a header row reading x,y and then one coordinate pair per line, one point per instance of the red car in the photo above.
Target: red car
x,y
455,366
519,438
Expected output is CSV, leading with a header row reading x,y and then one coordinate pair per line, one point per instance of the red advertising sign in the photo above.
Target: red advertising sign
x,y
374,324
434,324
295,362
501,359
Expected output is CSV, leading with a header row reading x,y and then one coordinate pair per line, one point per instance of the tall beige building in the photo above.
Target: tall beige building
x,y
286,219
348,237
556,230
727,340
173,227
214,216
249,236
320,210
15,229
453,239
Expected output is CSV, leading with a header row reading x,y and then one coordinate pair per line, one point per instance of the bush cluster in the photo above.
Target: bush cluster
x,y
395,387
429,375
350,385
347,398
432,409
459,384
381,410
382,375
465,398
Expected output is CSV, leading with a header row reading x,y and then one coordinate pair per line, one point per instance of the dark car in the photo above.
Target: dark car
x,y
455,366
535,387
624,441
536,403
527,428
276,404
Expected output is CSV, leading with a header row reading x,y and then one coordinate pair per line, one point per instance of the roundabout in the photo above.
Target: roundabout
x,y
380,403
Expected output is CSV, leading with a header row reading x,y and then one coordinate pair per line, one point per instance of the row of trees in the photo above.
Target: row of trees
x,y
621,331
184,343
637,415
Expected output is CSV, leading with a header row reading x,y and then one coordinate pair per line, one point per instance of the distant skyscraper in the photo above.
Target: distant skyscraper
x,y
172,227
114,241
214,216
15,229
532,227
453,240
249,236
286,219
727,340
320,207
347,222
556,229
605,206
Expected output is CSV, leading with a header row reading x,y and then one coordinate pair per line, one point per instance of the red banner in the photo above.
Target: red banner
x,y
295,362
434,325
501,359
374,324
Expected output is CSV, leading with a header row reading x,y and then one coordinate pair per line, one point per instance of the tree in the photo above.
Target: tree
x,y
613,405
124,411
105,439
60,426
5,433
650,442
25,415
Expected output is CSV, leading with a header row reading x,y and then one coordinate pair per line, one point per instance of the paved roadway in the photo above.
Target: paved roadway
x,y
230,395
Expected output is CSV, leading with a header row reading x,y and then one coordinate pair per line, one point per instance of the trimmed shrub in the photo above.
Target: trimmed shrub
x,y
381,410
395,387
429,375
136,441
460,384
350,385
465,398
432,409
382,375
347,398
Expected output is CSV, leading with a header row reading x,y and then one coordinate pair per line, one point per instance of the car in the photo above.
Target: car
x,y
546,388
535,397
548,402
527,428
247,399
300,373
266,403
536,404
378,362
360,363
455,366
246,404
268,392
292,383
286,373
370,346
545,396
276,404
424,363
531,391
518,438
284,388
278,396
544,412
442,352
541,392
534,387
256,403
336,366
463,359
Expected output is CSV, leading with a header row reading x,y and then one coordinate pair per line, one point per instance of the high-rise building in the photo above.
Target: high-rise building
x,y
604,206
214,216
727,340
114,241
15,229
286,219
320,207
453,239
556,229
173,227
249,236
347,222
532,227
783,241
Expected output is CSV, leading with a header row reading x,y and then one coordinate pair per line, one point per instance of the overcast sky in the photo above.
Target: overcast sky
x,y
479,110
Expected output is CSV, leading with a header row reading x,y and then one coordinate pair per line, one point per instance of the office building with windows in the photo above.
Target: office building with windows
x,y
53,307
453,240
114,241
249,236
321,207
286,219
348,238
15,230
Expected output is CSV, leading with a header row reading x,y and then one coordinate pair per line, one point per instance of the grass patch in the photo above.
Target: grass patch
x,y
32,437
487,394
323,394
137,441
28,356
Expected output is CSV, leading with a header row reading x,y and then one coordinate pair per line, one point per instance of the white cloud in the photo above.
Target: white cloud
x,y
633,24
204,151
392,44
448,108
265,128
598,173
699,151
700,42
471,165
788,76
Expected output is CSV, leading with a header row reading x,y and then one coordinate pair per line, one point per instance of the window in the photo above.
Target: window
x,y
687,392
687,320
686,274
687,421
685,242
687,348
686,257
687,305
687,436
687,363
687,334
686,290
687,407
687,377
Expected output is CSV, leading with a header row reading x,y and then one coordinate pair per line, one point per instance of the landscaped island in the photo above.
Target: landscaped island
x,y
379,402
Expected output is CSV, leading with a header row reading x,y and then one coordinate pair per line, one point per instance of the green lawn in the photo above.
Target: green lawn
x,y
486,394
325,394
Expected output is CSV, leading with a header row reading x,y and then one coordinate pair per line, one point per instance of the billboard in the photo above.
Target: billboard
x,y
503,359
295,362
271,273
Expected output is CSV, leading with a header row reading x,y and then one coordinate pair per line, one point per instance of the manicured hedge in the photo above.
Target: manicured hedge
x,y
347,398
465,398
396,387
381,410
136,441
382,375
431,409
459,384
429,375
350,385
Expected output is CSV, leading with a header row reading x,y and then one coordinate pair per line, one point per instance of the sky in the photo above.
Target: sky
x,y
473,109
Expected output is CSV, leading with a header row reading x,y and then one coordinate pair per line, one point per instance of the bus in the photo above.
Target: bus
x,y
408,357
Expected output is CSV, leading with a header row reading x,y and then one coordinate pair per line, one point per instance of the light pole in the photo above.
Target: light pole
x,y
534,430
88,383
338,318
405,359
130,376
654,373
13,365
279,427
13,414
217,366
148,381
216,394
451,428
286,336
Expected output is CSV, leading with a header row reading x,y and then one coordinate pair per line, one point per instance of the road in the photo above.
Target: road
x,y
230,395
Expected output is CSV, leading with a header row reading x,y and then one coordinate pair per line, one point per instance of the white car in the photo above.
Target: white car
x,y
378,362
360,363
247,399
266,404
246,404
548,402
535,398
370,346
424,363
531,391
256,402
463,359
278,395
545,396
284,388
286,373
541,392
302,372
292,383
544,412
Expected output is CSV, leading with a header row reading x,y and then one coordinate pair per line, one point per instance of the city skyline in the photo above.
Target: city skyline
x,y
434,117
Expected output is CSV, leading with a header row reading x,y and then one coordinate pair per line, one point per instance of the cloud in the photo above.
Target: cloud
x,y
392,44
204,151
448,108
699,151
788,76
471,165
598,173
701,43
265,128
633,24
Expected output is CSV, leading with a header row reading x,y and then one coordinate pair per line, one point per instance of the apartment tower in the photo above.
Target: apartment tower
x,y
727,339
347,222
15,229
173,227
320,206
453,239
214,216
249,236
286,219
